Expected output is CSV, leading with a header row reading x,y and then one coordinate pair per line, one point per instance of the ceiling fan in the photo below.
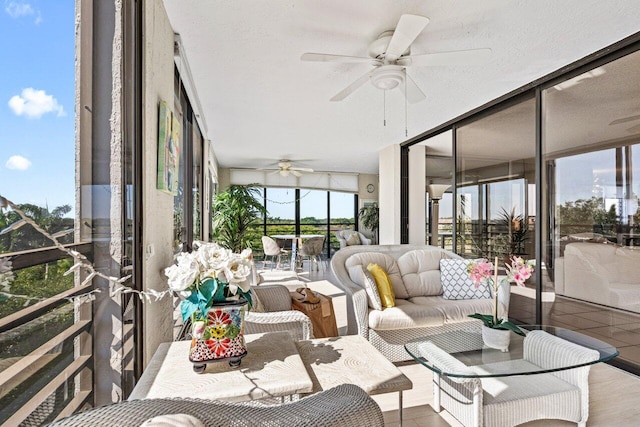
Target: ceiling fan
x,y
285,169
390,54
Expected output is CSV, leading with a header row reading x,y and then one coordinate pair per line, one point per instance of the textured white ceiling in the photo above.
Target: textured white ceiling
x,y
262,103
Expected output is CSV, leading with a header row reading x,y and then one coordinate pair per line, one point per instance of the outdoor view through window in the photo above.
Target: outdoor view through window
x,y
37,159
37,173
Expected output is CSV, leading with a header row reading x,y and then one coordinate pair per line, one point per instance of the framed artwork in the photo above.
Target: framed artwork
x,y
169,132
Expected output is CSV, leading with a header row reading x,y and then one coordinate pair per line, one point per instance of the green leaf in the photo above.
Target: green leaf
x,y
510,326
188,306
487,319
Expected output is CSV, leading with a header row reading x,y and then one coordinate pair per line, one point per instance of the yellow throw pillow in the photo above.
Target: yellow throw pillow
x,y
385,288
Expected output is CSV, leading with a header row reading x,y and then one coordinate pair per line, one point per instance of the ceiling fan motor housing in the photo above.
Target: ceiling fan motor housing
x,y
387,77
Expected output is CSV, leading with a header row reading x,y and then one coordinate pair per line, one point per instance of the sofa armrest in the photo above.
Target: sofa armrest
x,y
357,305
364,240
549,351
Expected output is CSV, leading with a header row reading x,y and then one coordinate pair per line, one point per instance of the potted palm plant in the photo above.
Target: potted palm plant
x,y
369,215
234,211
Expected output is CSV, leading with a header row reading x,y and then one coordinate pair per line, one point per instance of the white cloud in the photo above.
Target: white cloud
x,y
34,103
17,9
18,163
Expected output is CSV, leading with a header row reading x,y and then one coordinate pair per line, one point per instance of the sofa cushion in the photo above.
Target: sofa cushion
x,y
426,311
420,270
361,276
383,283
456,283
387,262
353,239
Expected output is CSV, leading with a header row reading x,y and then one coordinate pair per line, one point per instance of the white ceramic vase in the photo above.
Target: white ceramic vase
x,y
496,338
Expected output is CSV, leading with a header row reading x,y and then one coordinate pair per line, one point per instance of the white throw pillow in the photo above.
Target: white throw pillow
x,y
173,420
373,296
353,239
456,283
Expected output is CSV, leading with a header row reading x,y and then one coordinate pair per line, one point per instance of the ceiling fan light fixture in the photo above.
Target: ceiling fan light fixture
x,y
387,77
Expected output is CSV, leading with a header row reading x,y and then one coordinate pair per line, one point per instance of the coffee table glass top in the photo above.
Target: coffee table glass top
x,y
483,362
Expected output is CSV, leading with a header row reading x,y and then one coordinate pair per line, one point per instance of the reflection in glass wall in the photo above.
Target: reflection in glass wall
x,y
591,137
439,178
495,187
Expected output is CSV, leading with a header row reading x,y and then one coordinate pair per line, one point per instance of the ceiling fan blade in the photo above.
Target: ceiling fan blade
x,y
352,87
409,27
327,57
302,169
458,57
295,173
625,120
414,93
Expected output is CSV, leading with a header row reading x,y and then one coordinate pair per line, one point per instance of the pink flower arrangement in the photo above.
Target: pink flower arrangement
x,y
518,271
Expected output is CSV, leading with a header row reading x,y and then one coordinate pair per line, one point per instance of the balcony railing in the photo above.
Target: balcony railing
x,y
46,356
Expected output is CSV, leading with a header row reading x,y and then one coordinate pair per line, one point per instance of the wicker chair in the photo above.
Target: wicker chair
x,y
277,315
557,395
344,405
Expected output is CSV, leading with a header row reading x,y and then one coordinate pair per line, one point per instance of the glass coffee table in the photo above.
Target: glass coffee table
x,y
543,375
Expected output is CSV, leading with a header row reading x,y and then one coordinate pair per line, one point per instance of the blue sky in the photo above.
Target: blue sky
x,y
37,101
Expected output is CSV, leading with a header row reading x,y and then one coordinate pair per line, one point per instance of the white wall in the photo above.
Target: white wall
x,y
417,198
158,71
389,195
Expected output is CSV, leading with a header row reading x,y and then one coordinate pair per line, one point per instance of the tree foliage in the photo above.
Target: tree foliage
x,y
586,215
41,281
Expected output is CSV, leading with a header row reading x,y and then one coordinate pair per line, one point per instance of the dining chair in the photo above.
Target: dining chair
x,y
271,249
312,250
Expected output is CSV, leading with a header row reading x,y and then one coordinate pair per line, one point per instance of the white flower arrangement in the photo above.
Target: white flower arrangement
x,y
208,275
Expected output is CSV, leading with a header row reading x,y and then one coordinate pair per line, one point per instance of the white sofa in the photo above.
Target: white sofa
x,y
343,236
600,273
420,309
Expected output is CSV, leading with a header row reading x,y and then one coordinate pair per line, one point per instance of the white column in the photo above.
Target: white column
x,y
389,195
417,198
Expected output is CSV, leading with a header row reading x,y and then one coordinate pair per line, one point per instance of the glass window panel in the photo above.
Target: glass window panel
x,y
495,178
281,210
342,215
591,135
313,212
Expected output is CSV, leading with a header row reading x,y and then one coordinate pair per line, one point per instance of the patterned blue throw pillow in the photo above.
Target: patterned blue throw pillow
x,y
456,283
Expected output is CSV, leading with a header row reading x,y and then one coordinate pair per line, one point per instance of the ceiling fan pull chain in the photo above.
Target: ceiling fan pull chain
x,y
384,108
406,108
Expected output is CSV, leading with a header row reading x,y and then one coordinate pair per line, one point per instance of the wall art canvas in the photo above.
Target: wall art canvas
x,y
169,131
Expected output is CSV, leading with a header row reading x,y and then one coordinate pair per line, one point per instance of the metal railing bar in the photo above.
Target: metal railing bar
x,y
32,257
33,403
31,363
34,311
